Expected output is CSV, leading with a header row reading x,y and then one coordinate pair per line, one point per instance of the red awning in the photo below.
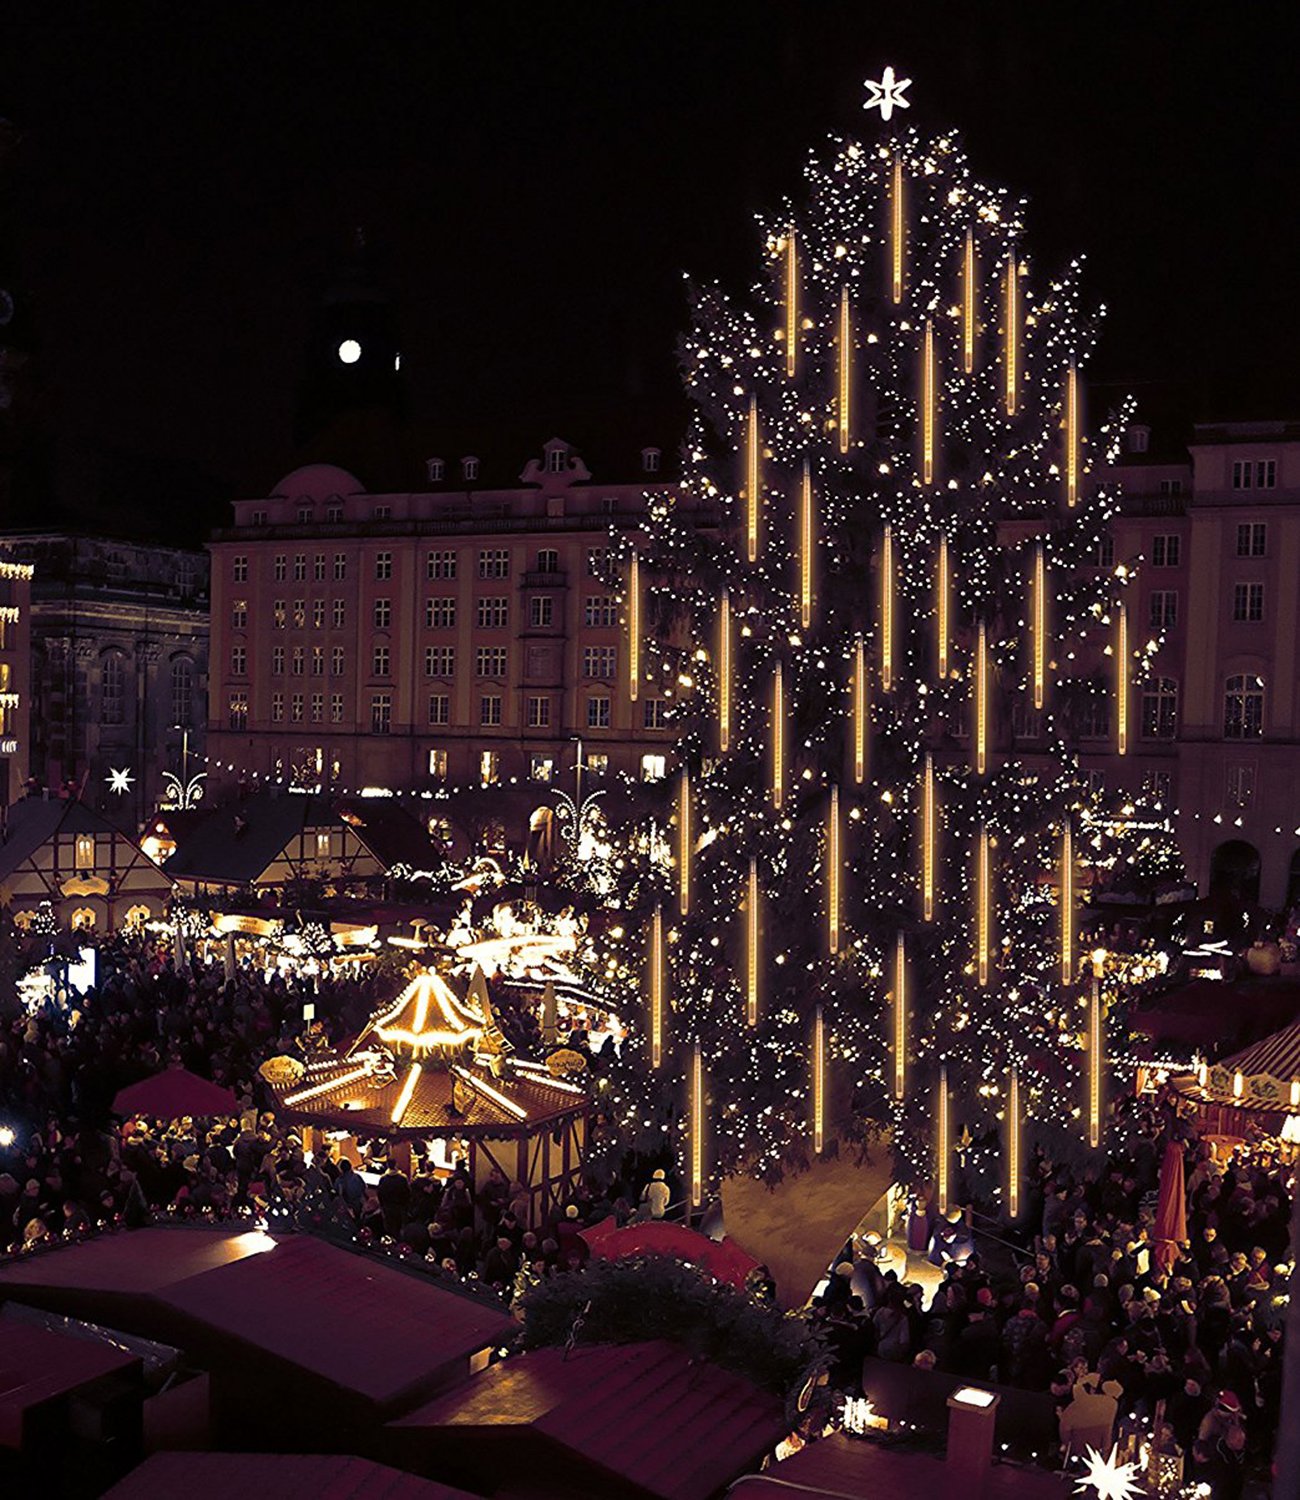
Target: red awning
x,y
173,1095
722,1259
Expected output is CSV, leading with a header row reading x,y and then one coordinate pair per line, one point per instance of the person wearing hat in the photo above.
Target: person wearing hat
x,y
655,1195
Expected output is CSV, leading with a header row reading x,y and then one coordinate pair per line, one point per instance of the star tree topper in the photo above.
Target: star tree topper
x,y
119,781
1110,1479
887,95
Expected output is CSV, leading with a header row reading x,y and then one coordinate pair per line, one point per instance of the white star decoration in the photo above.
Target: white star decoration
x,y
1111,1479
119,781
887,95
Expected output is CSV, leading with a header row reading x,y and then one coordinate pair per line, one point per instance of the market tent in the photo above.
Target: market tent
x,y
275,1476
1171,1209
1209,1013
174,1094
722,1259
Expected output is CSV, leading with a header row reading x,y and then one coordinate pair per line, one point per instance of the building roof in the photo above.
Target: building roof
x,y
34,821
275,1476
37,1366
648,1416
391,833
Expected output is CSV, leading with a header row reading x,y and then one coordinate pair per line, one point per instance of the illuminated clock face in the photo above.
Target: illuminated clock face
x,y
6,307
349,352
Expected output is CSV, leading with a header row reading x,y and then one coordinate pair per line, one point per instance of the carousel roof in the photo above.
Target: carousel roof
x,y
1264,1076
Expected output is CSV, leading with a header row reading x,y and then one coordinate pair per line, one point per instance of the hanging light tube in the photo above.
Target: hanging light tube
x,y
1067,904
833,870
634,627
968,304
404,1098
657,988
846,364
697,1128
1040,625
887,609
752,498
928,405
685,841
941,1139
942,589
1121,681
805,548
981,700
724,673
778,737
751,946
1013,1143
1072,436
1095,1060
900,1017
819,1082
859,711
927,839
896,230
791,302
983,906
1012,314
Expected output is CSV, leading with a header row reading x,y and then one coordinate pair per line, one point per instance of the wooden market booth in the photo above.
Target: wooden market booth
x,y
1255,1090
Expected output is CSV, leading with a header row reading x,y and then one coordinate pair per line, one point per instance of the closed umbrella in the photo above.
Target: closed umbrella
x,y
1171,1208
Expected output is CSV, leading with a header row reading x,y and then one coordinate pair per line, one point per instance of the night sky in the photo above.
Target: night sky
x,y
536,178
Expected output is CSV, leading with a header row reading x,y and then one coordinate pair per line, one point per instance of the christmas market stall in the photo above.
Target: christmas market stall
x,y
1253,1092
433,1071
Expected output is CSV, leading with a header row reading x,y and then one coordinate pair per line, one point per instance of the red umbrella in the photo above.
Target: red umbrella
x,y
723,1259
1171,1210
174,1094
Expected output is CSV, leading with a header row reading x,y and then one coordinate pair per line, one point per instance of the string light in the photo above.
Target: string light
x,y
404,1098
724,673
791,302
634,627
684,841
323,1088
778,737
1067,904
697,1128
983,906
942,592
941,1134
1013,1144
896,236
751,946
860,709
1012,318
1121,681
928,406
752,497
887,610
819,1082
968,304
1040,625
927,839
846,359
900,1017
805,548
657,988
1095,1043
1072,436
833,870
981,700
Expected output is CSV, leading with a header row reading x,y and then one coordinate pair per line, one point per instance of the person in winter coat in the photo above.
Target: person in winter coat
x,y
655,1196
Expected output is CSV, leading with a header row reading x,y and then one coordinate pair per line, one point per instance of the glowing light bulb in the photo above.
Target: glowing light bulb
x,y
778,737
791,302
752,497
968,303
928,405
942,590
927,839
860,710
806,530
900,1017
684,841
833,870
819,1082
846,364
724,673
634,627
983,906
897,229
751,946
1121,681
887,610
1012,314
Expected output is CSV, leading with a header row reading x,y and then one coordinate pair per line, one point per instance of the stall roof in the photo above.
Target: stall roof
x,y
36,1366
1207,1012
649,1416
275,1476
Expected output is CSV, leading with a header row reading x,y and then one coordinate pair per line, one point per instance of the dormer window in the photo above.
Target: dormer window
x,y
333,512
555,461
383,512
469,468
435,468
259,518
650,460
304,514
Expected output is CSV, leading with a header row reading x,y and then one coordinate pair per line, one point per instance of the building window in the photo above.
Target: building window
x,y
381,713
489,767
598,763
318,567
1164,609
541,768
339,614
277,708
540,610
489,710
438,764
1026,720
318,661
336,708
383,513
1095,716
650,460
655,713
239,661
295,708
182,691
434,468
1160,709
598,713
111,689
379,662
490,661
280,567
440,614
1095,783
277,661
494,562
539,713
600,609
383,565
609,504
383,613
1243,707
1248,601
597,561
84,851
469,468
340,565
322,846
338,661
299,567
318,708
239,614
1252,539
298,659
1156,788
1241,786
304,515
654,767
548,560
239,569
318,614
238,711
279,614
599,661
491,613
334,513
259,518
1165,551
555,461
439,661
439,708
440,565
299,614
1254,474
1171,486
1103,554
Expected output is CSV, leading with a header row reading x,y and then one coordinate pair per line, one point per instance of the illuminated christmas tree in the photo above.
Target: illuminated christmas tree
x,y
878,659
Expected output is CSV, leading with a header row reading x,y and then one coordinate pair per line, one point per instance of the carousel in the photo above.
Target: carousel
x,y
433,1069
1252,1093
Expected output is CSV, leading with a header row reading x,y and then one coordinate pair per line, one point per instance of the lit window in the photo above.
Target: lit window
x,y
297,659
322,846
489,767
338,660
438,764
277,708
597,763
336,708
318,614
1243,707
296,708
1160,709
280,614
318,708
339,614
82,920
654,767
1248,601
238,711
299,613
541,768
85,851
318,661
